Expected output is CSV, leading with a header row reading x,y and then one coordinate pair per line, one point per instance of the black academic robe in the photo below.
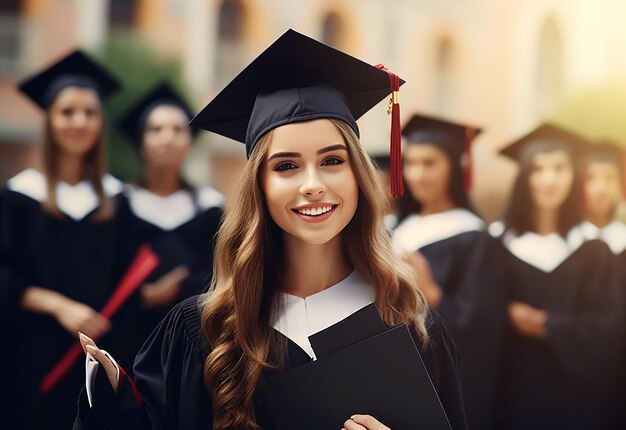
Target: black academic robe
x,y
190,244
566,381
466,267
168,374
83,260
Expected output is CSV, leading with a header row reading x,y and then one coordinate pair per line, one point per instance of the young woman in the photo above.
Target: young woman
x,y
302,247
603,173
455,258
178,221
603,188
564,300
65,235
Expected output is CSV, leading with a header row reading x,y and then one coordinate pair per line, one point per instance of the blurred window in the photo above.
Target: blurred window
x,y
549,72
332,30
10,36
445,83
231,51
122,14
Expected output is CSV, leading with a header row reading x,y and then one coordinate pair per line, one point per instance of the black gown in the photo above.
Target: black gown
x,y
168,373
83,259
568,379
464,260
187,239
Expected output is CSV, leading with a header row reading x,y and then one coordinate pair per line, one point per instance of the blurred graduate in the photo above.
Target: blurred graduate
x,y
456,260
179,221
563,350
67,239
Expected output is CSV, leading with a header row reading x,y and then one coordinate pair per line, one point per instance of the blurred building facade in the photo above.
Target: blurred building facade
x,y
503,65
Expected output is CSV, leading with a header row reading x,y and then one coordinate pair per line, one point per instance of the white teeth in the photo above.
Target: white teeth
x,y
315,211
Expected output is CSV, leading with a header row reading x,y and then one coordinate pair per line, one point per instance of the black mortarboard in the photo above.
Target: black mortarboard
x,y
299,79
454,138
76,69
133,121
547,135
606,151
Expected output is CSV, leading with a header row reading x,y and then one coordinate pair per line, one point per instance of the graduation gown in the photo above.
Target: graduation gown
x,y
464,261
614,235
76,256
568,379
168,371
180,228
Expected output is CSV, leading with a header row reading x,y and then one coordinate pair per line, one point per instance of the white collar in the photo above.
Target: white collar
x,y
613,234
169,212
416,231
547,252
302,317
76,201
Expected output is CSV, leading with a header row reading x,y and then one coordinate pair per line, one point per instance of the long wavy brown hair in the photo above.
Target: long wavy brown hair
x,y
237,312
94,167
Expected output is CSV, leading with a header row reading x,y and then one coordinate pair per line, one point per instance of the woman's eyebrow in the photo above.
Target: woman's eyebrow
x,y
332,148
284,155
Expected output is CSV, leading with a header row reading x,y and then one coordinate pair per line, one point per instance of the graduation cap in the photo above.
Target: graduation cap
x,y
300,79
73,70
547,135
133,121
455,139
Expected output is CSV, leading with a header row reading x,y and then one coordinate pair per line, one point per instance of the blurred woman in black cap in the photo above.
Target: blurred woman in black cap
x,y
178,220
66,232
302,247
456,260
564,310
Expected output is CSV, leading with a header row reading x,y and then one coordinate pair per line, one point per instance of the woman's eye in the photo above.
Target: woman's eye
x,y
331,161
283,167
67,112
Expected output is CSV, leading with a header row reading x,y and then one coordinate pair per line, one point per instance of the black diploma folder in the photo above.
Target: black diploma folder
x,y
361,368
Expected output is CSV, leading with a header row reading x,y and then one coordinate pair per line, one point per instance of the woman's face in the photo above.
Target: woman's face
x,y
426,172
602,188
76,120
166,137
551,179
307,181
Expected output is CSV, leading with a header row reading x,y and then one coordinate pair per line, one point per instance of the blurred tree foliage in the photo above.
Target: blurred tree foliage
x,y
596,112
138,68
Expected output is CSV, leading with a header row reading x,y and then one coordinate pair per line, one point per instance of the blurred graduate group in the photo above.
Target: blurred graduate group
x,y
535,302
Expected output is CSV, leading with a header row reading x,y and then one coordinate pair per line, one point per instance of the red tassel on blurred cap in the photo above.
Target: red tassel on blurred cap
x,y
395,150
470,134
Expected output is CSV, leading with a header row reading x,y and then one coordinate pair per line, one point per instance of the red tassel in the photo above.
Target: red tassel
x,y
395,147
470,134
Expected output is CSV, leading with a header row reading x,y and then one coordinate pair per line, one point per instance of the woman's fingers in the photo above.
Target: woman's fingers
x,y
364,422
110,369
85,340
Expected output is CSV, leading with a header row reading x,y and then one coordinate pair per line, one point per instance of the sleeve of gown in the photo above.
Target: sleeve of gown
x,y
588,341
442,360
153,400
474,301
14,221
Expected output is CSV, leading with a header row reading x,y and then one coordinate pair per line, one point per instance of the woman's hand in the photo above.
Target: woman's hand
x,y
363,422
74,316
90,347
424,273
165,290
527,320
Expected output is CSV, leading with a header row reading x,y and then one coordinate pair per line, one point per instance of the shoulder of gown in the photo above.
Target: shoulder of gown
x,y
443,362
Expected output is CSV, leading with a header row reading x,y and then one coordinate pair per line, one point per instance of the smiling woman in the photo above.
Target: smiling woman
x,y
302,246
